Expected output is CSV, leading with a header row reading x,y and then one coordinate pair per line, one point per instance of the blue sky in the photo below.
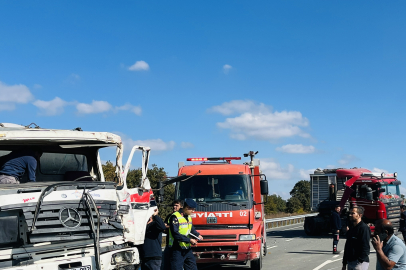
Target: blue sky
x,y
306,83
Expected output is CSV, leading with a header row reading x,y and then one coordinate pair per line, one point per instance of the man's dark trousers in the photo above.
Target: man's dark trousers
x,y
183,258
151,265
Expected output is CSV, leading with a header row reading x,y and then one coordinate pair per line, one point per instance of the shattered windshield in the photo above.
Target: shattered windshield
x,y
212,188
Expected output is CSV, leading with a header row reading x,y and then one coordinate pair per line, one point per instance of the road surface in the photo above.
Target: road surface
x,y
289,248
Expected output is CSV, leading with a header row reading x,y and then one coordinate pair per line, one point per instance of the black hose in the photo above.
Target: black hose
x,y
89,197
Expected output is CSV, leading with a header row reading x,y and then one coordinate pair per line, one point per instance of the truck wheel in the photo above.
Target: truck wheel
x,y
264,249
309,226
257,264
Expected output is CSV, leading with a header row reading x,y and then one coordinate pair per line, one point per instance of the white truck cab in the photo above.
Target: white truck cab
x,y
70,218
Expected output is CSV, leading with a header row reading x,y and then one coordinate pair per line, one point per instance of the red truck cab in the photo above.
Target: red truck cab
x,y
379,194
230,209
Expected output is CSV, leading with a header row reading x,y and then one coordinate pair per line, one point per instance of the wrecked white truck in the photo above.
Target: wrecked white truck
x,y
70,218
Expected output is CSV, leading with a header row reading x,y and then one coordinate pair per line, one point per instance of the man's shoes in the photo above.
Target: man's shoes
x,y
336,252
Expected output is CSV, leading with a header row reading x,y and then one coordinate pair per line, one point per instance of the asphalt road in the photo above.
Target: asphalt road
x,y
289,248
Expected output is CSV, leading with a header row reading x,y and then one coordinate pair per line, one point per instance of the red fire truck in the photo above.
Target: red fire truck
x,y
230,208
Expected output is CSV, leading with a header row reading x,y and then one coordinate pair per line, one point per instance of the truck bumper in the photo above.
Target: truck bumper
x,y
108,261
227,252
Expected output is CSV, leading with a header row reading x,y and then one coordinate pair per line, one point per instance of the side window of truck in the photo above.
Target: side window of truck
x,y
60,163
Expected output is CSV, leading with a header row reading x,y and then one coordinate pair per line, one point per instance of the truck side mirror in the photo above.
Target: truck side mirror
x,y
264,187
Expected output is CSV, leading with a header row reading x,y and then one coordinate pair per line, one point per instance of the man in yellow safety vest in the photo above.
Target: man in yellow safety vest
x,y
180,238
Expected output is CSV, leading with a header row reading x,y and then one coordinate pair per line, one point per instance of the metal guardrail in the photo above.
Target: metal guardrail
x,y
279,222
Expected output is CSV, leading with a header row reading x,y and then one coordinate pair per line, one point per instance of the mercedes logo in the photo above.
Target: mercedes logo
x,y
70,218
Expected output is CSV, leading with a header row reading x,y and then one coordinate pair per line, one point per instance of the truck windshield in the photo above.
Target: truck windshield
x,y
212,188
392,190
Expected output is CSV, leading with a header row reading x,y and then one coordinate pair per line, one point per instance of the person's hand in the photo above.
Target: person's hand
x,y
150,220
338,231
200,237
156,212
377,243
193,241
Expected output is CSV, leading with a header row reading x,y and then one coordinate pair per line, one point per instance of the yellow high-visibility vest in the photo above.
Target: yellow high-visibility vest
x,y
185,226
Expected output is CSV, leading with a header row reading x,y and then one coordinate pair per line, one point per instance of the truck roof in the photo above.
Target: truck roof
x,y
210,168
16,134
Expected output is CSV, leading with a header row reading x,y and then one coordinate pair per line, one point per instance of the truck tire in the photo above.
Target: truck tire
x,y
264,249
257,264
310,226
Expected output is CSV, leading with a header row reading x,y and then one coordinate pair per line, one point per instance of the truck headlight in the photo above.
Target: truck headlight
x,y
122,257
247,237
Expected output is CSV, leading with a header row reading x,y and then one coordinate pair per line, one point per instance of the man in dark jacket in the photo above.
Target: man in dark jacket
x,y
152,250
356,251
336,227
166,259
182,235
402,225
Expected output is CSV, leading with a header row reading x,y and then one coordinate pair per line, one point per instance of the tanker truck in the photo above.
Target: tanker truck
x,y
378,193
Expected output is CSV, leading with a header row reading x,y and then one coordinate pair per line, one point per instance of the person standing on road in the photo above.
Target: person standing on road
x,y
336,227
180,239
390,250
152,247
402,225
356,250
166,258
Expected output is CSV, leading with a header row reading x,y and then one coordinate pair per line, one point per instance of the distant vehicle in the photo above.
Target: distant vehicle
x,y
71,218
378,193
230,208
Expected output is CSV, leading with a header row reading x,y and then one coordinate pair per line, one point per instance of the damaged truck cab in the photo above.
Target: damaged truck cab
x,y
70,218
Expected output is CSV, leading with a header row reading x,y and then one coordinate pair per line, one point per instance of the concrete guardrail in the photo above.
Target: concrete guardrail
x,y
279,222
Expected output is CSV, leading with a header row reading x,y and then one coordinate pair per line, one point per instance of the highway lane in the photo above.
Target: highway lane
x,y
289,248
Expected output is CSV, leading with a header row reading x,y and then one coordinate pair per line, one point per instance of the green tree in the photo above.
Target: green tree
x,y
301,191
109,171
275,204
294,205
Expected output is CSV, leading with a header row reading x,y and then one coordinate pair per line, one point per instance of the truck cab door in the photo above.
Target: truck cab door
x,y
141,207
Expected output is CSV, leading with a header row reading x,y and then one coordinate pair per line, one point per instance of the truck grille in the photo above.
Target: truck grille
x,y
393,210
50,222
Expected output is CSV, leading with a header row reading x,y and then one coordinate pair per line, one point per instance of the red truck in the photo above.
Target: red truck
x,y
378,193
230,208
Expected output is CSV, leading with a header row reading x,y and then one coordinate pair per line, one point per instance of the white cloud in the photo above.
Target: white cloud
x,y
139,65
128,107
305,174
7,106
37,86
73,78
227,68
258,121
186,145
267,126
17,93
274,171
94,107
239,106
347,159
52,107
154,144
296,149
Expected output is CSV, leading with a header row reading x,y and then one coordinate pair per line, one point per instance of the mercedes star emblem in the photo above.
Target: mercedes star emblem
x,y
70,218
